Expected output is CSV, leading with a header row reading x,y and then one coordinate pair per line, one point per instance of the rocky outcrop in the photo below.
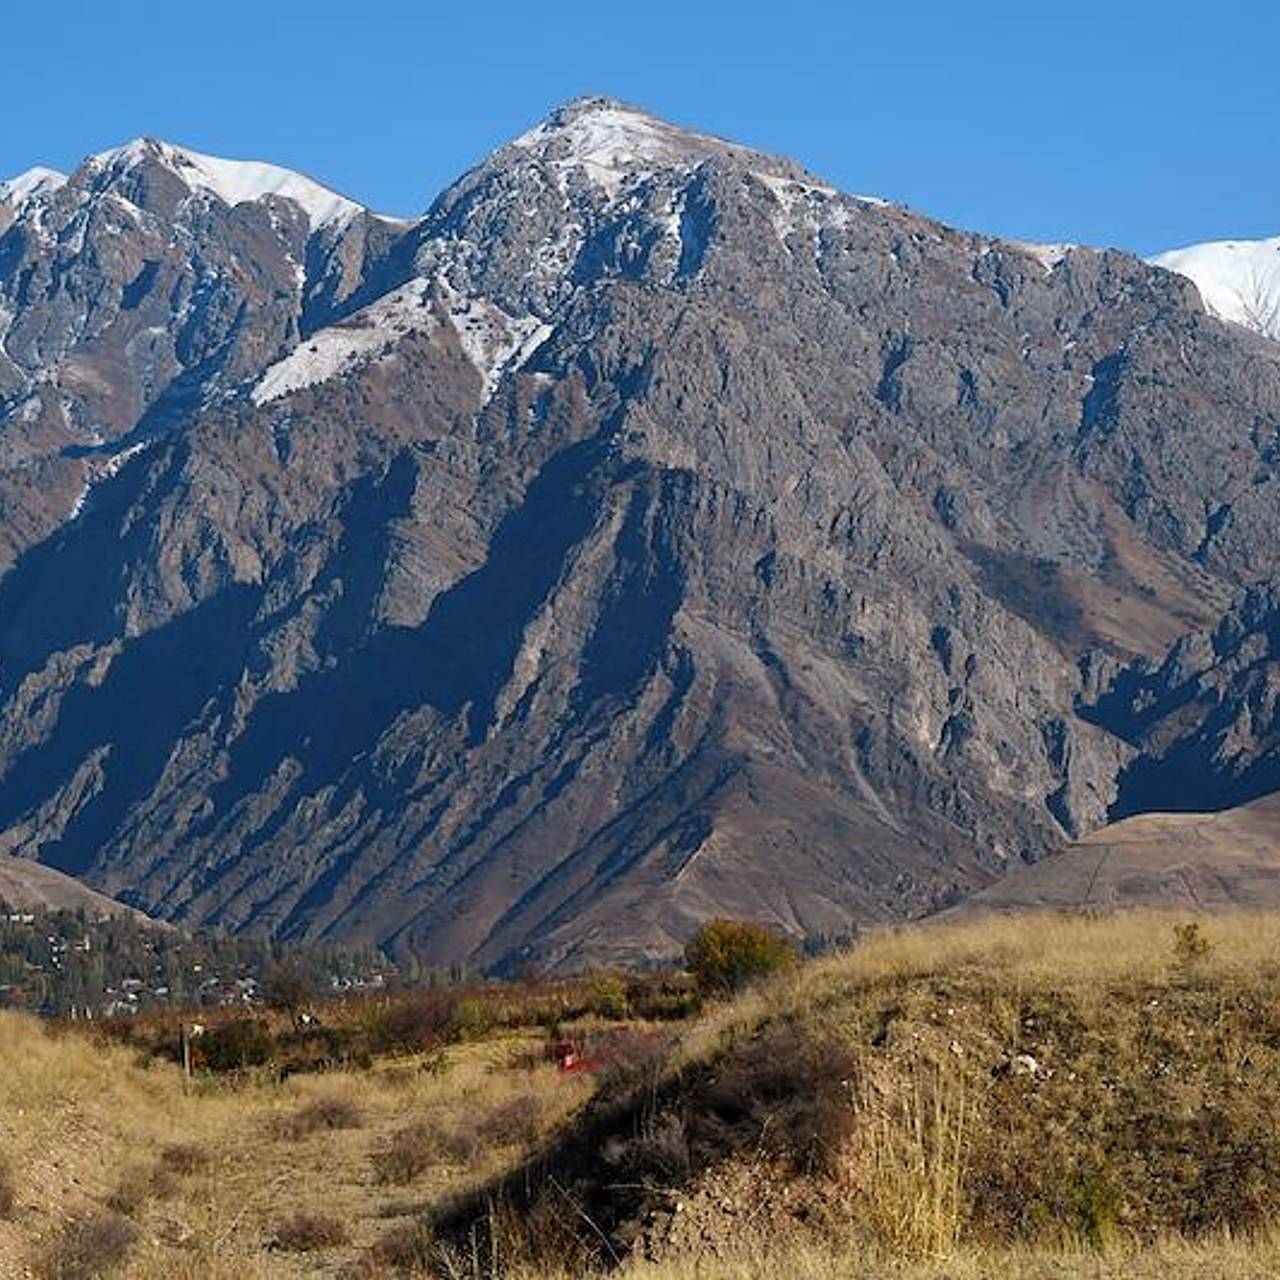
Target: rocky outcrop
x,y
651,533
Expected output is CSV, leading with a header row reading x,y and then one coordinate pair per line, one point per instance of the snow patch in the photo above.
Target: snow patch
x,y
1047,255
811,205
1239,280
97,470
606,142
492,340
349,344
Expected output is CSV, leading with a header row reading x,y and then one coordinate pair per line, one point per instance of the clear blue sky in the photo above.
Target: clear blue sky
x,y
1129,123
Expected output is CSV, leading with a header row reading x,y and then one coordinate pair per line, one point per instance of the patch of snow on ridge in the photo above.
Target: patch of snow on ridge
x,y
1239,280
344,346
491,339
1047,255
34,182
809,203
234,181
98,469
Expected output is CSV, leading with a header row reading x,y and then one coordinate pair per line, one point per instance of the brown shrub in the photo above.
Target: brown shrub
x,y
304,1232
416,1024
8,1191
234,1045
324,1114
511,1122
409,1152
406,1249
184,1158
789,1088
140,1184
89,1248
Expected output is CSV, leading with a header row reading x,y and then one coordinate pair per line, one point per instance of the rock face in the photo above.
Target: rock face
x,y
649,532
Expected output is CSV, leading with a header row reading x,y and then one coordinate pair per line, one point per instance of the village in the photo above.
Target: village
x,y
69,964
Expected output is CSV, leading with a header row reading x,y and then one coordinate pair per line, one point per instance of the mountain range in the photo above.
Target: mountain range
x,y
647,532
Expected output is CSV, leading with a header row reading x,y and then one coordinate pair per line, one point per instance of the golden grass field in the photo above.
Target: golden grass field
x,y
942,1133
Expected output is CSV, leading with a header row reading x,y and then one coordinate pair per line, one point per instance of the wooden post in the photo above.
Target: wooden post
x,y
186,1059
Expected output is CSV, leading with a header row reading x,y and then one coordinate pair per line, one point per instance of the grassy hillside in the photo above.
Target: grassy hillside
x,y
1031,1097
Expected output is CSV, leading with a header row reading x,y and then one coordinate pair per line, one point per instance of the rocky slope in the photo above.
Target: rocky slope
x,y
648,532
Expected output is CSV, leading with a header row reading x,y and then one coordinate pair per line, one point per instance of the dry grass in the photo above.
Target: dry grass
x,y
907,1167
930,1151
204,1175
1225,1259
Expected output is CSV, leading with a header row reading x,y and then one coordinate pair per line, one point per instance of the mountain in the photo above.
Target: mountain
x,y
1239,280
647,532
140,288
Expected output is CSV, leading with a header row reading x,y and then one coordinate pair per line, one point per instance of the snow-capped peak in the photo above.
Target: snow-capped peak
x,y
1239,280
606,140
34,182
232,181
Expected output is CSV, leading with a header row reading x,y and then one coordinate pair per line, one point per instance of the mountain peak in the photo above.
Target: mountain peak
x,y
606,140
1239,280
232,181
16,191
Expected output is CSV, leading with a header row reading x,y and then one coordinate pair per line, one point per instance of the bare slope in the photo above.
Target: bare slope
x,y
1201,861
28,886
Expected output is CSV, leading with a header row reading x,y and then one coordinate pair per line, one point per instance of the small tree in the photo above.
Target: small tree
x,y
725,955
1190,946
292,984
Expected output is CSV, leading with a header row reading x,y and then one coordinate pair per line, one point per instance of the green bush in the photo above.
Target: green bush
x,y
608,997
725,955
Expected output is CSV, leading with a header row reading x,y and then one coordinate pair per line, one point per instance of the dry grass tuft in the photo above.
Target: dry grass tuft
x,y
404,1250
908,1164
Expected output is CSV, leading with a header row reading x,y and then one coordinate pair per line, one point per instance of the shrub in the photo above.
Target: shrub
x,y
183,1158
725,955
1190,946
476,1019
140,1184
409,1249
607,994
242,1042
320,1115
89,1248
418,1024
409,1151
8,1192
307,1231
